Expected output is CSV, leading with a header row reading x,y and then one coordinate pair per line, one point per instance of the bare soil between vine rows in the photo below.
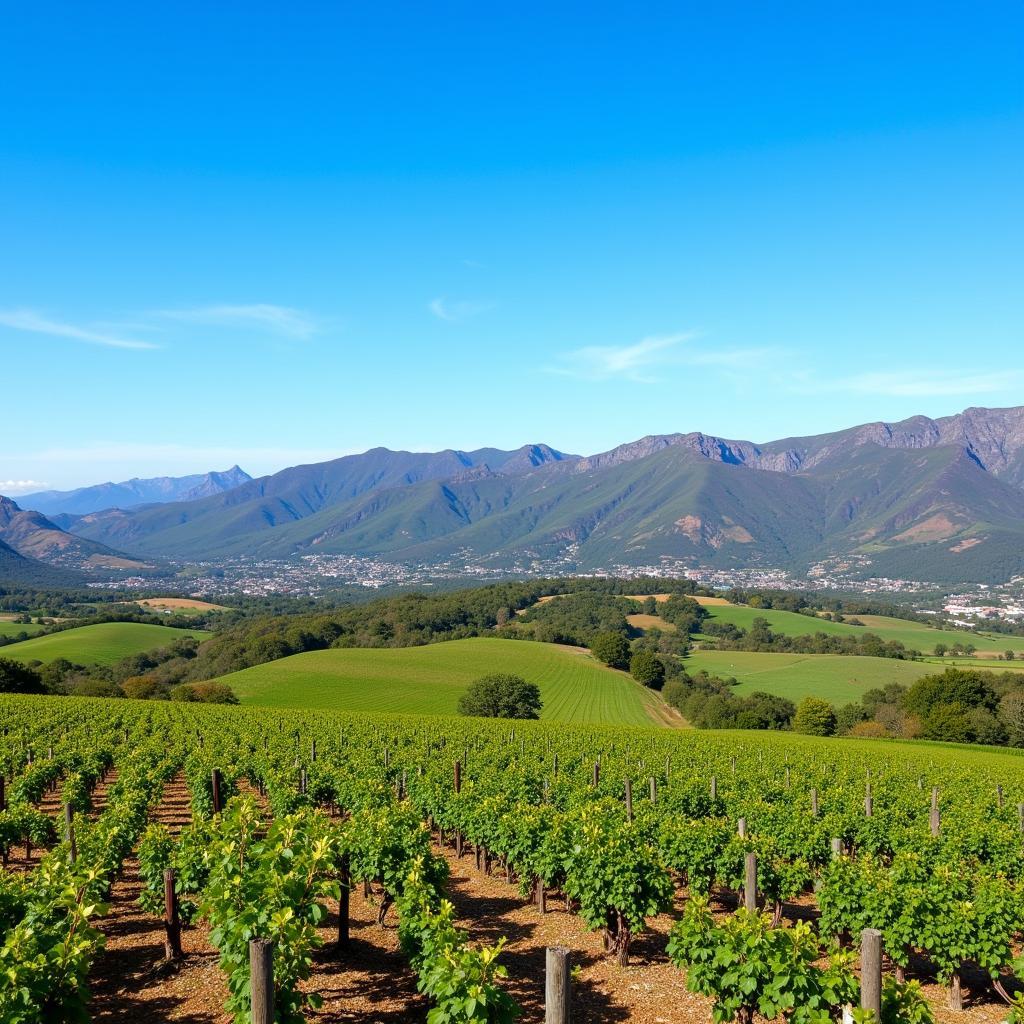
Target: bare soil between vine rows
x,y
371,982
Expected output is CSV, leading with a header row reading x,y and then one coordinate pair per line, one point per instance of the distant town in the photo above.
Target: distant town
x,y
319,575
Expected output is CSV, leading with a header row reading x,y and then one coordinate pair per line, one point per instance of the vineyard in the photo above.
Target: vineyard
x,y
301,865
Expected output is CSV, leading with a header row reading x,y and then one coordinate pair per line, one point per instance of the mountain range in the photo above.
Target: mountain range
x,y
134,492
932,499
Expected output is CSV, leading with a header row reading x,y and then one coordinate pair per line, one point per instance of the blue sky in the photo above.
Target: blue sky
x,y
268,233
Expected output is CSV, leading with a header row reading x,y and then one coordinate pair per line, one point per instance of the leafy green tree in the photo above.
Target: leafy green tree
x,y
650,606
1011,714
646,667
501,695
814,717
940,650
949,722
612,649
954,686
18,678
848,716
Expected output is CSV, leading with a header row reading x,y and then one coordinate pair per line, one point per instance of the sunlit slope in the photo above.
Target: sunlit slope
x,y
102,643
429,680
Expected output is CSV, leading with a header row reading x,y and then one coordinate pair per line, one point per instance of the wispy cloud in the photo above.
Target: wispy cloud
x,y
916,383
20,486
283,320
454,311
36,323
632,362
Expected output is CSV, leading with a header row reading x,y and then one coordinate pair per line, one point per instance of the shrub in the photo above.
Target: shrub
x,y
205,693
814,717
869,730
501,695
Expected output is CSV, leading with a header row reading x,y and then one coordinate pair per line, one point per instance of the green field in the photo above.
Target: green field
x,y
14,628
100,644
429,680
837,678
917,635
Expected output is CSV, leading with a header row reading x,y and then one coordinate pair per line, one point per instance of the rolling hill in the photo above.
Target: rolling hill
x,y
836,678
914,635
940,500
429,680
102,643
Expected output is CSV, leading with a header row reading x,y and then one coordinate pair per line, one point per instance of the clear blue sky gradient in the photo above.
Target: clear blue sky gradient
x,y
323,227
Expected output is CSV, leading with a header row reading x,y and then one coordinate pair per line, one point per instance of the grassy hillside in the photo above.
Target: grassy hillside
x,y
99,644
913,634
835,677
8,628
429,680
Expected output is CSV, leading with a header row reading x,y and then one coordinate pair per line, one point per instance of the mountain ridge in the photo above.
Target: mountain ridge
x,y
939,496
134,492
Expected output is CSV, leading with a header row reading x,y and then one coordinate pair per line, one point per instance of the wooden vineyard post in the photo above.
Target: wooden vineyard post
x,y
312,751
629,800
868,803
597,774
172,921
814,803
542,896
554,765
787,777
215,788
343,897
458,789
741,828
933,817
654,790
837,847
714,787
871,971
750,882
999,797
668,767
261,974
557,986
1020,817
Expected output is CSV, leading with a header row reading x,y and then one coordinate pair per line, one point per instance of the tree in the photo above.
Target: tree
x,y
650,606
814,717
18,678
1011,714
501,695
1009,655
940,650
949,722
954,686
848,716
612,649
646,667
